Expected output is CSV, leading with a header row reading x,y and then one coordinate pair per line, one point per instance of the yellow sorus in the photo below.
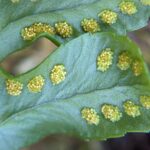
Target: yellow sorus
x,y
104,60
64,29
131,109
145,101
36,84
137,68
90,115
124,61
43,28
90,25
145,2
108,16
14,87
58,74
29,33
128,7
111,112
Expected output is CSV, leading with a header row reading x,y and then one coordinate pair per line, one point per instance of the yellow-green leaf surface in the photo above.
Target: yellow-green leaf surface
x,y
62,108
16,16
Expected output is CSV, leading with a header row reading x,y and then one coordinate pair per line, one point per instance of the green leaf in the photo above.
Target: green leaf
x,y
11,12
15,17
57,109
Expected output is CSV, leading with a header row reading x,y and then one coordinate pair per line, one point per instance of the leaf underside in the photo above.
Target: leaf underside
x,y
14,17
26,118
57,109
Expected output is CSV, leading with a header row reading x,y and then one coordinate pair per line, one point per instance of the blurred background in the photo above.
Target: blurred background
x,y
32,56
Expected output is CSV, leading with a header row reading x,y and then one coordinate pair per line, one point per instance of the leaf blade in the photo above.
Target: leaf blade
x,y
11,40
57,108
